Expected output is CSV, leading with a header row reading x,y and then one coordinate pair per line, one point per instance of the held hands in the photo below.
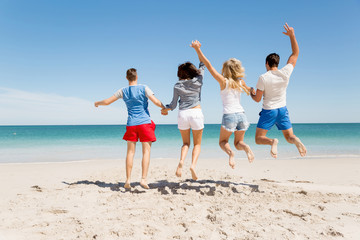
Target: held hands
x,y
195,44
164,111
96,104
289,30
252,91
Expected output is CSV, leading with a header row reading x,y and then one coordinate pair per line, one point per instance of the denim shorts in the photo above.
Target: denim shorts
x,y
279,116
235,122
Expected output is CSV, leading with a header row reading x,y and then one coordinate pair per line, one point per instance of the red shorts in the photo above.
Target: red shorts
x,y
144,132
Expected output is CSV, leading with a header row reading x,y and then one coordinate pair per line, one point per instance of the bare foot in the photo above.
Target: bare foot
x,y
249,153
144,184
273,151
300,146
231,160
193,174
179,169
127,185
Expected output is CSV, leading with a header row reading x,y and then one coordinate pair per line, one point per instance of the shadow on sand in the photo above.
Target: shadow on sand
x,y
203,187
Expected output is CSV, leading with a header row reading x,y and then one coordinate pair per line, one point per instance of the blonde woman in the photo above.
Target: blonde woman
x,y
234,119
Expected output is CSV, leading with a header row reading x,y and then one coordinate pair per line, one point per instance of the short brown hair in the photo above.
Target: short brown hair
x,y
187,71
273,60
131,74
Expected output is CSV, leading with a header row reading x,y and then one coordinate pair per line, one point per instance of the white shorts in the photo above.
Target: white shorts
x,y
191,118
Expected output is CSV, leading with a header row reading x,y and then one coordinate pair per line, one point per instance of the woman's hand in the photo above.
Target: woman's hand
x,y
165,111
195,44
252,91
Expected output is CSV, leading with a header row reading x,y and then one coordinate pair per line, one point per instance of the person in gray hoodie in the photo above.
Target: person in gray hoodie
x,y
187,91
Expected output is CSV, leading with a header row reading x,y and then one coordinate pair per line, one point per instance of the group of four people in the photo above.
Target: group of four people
x,y
271,87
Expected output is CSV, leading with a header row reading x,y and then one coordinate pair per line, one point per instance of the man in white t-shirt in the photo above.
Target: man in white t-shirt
x,y
271,87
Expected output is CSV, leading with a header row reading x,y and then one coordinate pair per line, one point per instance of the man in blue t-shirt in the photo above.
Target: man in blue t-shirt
x,y
139,124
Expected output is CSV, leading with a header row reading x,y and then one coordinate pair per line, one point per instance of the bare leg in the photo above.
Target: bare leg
x,y
129,162
197,136
225,146
146,149
260,138
291,138
241,145
185,134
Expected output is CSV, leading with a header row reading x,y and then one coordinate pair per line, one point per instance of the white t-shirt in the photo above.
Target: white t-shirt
x,y
231,100
274,83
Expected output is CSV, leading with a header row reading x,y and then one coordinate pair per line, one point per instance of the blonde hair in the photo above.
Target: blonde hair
x,y
234,72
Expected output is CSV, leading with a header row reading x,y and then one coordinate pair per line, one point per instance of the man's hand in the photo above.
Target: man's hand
x,y
294,45
289,30
195,44
164,111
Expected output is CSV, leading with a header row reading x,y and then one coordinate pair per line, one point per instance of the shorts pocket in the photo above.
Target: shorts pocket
x,y
229,122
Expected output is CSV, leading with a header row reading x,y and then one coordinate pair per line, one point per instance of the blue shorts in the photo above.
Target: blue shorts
x,y
279,116
235,122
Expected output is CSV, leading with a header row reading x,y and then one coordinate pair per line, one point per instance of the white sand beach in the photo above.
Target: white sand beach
x,y
311,198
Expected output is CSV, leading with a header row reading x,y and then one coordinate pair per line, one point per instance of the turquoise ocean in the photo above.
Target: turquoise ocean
x,y
21,144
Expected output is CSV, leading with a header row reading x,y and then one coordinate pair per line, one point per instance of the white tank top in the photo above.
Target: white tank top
x,y
231,100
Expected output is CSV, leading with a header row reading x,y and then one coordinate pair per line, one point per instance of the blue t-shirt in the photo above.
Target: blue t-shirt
x,y
135,98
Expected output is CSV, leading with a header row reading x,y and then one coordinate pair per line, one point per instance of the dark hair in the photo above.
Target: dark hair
x,y
273,60
131,74
187,71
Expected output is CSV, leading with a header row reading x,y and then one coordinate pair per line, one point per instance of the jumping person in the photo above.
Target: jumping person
x,y
188,92
234,119
139,125
271,87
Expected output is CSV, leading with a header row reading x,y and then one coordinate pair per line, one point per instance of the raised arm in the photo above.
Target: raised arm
x,y
294,45
218,77
105,102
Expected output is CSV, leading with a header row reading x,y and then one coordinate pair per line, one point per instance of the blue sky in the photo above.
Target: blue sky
x,y
58,57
